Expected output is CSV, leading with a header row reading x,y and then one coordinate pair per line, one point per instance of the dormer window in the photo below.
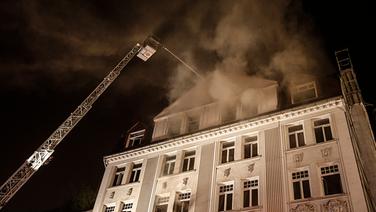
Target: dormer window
x,y
174,126
135,138
303,92
193,122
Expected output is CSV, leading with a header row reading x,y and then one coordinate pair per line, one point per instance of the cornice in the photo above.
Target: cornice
x,y
227,129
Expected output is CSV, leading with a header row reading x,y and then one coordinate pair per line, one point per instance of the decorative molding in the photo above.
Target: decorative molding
x,y
298,157
164,185
326,152
112,194
227,172
227,129
251,167
129,192
185,181
335,205
304,207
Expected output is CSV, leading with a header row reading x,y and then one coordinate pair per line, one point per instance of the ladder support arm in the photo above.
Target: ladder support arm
x,y
43,153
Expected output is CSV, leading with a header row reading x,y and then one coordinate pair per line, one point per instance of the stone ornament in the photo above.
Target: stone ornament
x,y
251,167
304,207
326,152
298,157
336,205
185,181
130,190
112,194
227,172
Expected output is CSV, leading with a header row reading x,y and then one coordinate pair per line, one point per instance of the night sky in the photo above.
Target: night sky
x,y
54,53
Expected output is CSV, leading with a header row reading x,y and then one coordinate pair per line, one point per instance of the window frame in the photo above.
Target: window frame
x,y
331,173
124,205
158,202
250,188
228,151
116,180
301,176
323,127
225,193
299,89
170,161
181,202
109,208
295,133
191,159
135,136
251,145
137,171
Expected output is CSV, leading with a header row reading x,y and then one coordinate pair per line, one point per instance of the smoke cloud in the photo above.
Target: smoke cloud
x,y
62,40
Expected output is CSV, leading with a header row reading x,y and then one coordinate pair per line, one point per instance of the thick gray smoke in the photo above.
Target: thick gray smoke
x,y
250,39
269,39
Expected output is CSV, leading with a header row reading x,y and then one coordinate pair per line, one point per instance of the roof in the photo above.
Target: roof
x,y
216,87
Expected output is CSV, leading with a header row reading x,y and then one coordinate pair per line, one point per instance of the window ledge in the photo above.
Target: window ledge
x,y
123,186
237,161
310,145
177,174
332,196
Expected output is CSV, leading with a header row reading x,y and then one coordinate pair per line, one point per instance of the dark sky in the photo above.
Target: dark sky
x,y
54,53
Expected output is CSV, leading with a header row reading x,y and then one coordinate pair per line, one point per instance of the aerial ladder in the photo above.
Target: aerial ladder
x,y
43,153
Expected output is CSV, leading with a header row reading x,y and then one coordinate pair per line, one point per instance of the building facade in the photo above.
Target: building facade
x,y
257,157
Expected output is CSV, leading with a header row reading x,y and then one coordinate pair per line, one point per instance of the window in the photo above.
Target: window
x,y
322,130
228,149
189,161
127,207
225,197
135,175
228,114
304,92
300,185
174,125
109,209
118,176
169,165
193,123
331,180
250,147
135,138
161,204
250,193
296,136
182,203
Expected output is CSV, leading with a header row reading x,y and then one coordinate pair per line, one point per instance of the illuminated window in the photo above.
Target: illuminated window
x,y
135,138
127,207
228,149
182,202
135,175
169,165
304,92
161,204
189,161
225,197
250,147
300,185
109,209
331,180
119,174
250,193
296,136
323,131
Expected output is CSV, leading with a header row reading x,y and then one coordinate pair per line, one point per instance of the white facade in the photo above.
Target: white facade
x,y
299,159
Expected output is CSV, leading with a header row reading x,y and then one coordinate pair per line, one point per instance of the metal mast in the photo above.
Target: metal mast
x,y
43,153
